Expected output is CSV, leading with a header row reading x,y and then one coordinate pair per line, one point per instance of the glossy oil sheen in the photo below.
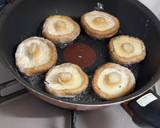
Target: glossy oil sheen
x,y
26,17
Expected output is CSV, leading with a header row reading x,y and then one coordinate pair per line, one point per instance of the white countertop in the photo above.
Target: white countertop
x,y
29,112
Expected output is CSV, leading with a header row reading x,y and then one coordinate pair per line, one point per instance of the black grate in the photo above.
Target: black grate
x,y
7,86
3,3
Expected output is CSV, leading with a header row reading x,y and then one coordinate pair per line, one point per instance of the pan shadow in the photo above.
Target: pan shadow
x,y
29,106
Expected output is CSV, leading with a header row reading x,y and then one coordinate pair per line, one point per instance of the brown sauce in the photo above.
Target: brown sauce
x,y
80,54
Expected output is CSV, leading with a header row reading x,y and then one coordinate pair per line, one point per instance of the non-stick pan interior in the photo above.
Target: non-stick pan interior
x,y
26,19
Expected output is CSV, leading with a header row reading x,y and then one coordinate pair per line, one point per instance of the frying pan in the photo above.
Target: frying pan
x,y
24,18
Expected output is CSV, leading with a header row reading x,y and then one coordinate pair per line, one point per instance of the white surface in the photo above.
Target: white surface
x,y
153,5
29,112
157,86
111,117
146,99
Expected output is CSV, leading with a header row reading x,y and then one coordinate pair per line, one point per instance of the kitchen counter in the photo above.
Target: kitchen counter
x,y
26,111
29,112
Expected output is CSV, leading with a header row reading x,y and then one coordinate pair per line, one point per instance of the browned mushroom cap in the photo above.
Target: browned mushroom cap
x,y
127,50
66,80
112,81
100,24
60,29
35,55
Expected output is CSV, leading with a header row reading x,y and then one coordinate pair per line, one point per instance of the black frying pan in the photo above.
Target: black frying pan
x,y
24,18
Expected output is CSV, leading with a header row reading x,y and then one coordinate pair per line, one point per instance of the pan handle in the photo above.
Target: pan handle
x,y
145,110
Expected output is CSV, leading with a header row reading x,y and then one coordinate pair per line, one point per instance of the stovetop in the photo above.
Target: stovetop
x,y
29,112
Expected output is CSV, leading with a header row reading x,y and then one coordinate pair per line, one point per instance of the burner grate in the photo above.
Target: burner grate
x,y
9,88
3,3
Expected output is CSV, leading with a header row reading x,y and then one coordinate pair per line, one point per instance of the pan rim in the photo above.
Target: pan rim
x,y
131,96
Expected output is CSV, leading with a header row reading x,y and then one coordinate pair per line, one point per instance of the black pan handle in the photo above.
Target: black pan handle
x,y
146,110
